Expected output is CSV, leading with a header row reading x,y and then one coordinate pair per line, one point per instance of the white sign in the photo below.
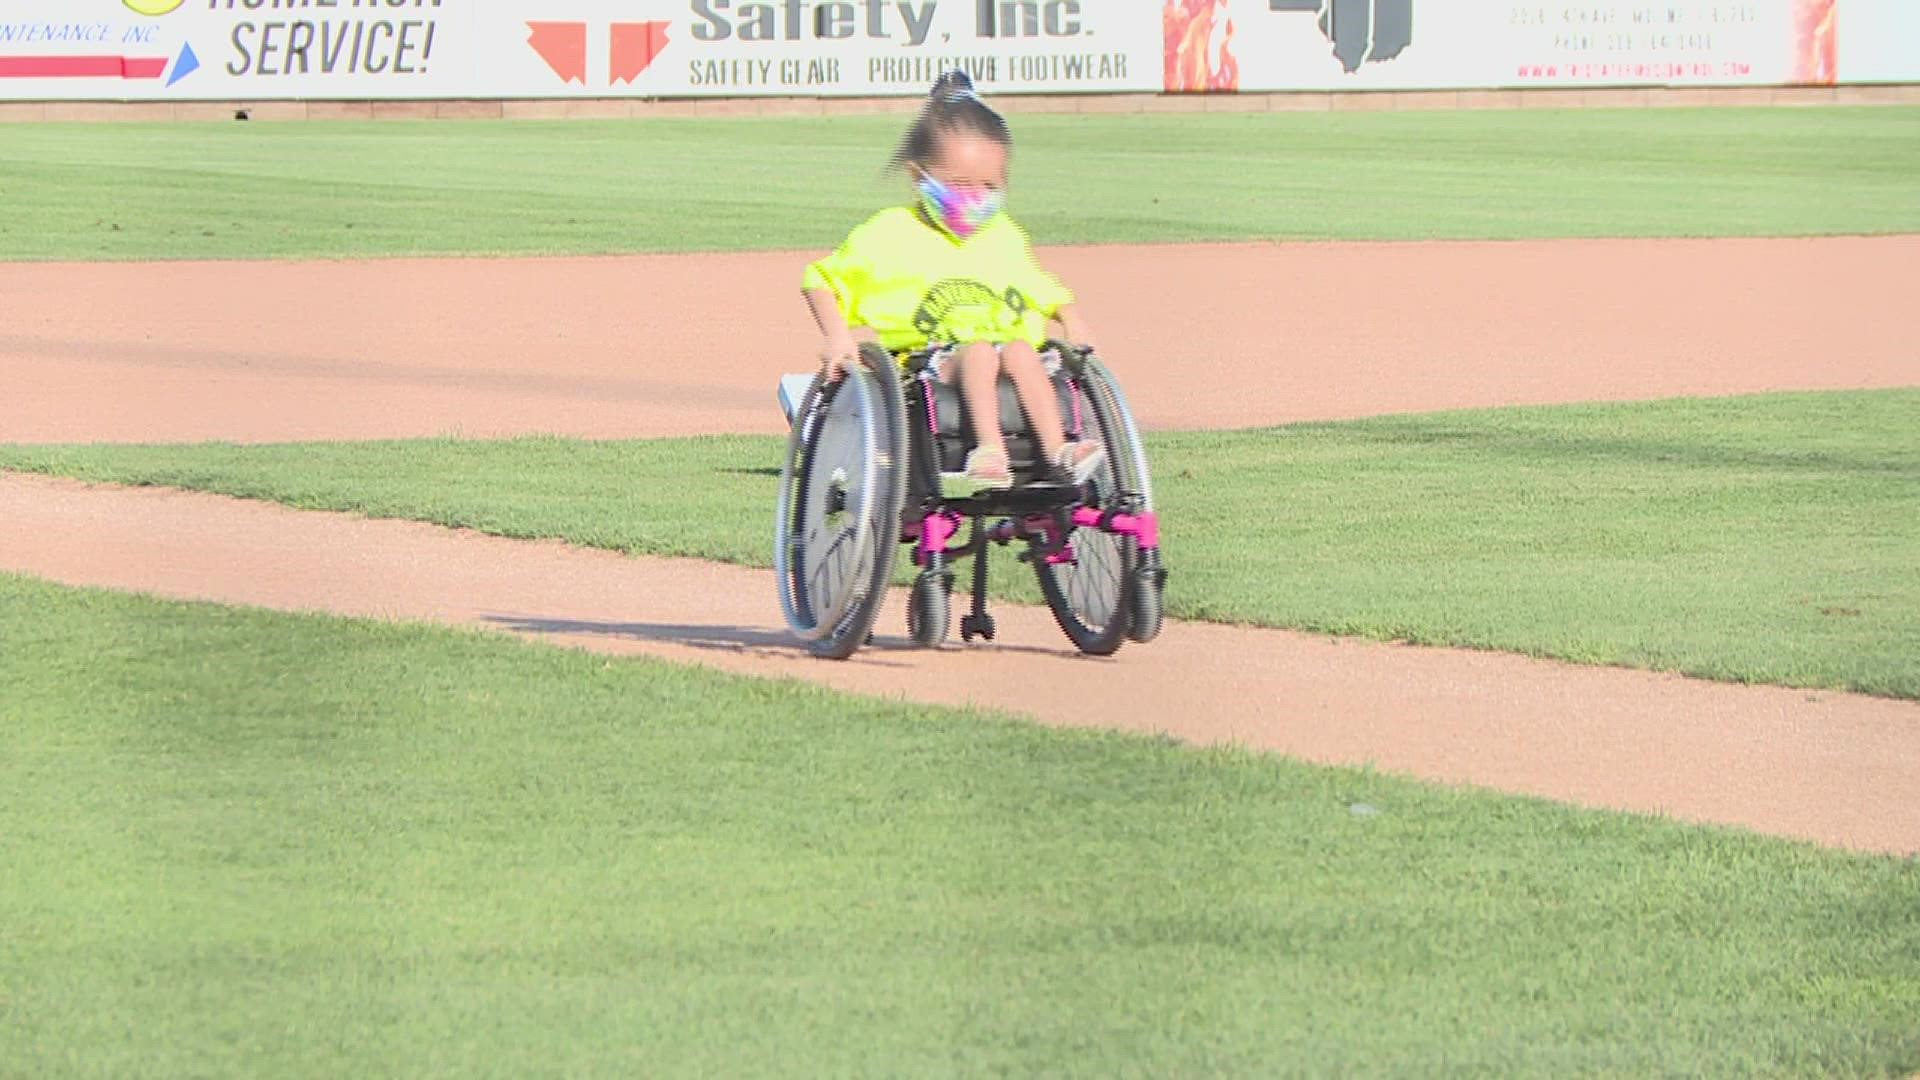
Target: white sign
x,y
362,49
253,50
819,47
236,49
1877,41
1446,44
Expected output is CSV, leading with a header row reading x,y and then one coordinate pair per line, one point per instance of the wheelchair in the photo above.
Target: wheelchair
x,y
869,470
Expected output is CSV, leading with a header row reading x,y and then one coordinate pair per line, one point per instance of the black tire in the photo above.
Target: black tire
x,y
1149,612
930,610
1092,597
841,492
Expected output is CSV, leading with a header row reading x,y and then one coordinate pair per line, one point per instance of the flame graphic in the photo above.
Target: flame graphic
x,y
1816,52
1190,27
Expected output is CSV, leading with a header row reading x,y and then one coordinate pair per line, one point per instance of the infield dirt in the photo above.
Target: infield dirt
x,y
1213,336
1203,336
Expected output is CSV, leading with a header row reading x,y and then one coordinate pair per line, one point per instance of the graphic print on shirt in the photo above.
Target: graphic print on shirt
x,y
951,296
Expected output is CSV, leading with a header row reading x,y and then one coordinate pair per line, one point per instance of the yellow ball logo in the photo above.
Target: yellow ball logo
x,y
153,7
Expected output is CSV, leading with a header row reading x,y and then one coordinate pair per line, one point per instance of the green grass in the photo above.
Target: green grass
x,y
249,844
358,189
1768,538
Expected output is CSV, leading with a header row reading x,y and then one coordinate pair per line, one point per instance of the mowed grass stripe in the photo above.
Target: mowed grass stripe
x,y
173,191
245,843
1766,538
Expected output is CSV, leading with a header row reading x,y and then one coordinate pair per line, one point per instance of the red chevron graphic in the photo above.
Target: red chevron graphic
x,y
563,45
634,47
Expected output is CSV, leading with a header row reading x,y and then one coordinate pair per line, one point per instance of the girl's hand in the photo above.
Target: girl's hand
x,y
838,355
1076,328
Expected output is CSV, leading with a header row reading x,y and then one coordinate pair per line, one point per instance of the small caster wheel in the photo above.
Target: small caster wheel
x,y
1149,609
980,626
929,610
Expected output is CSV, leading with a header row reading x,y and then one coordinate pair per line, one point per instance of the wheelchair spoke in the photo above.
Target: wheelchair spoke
x,y
829,573
1093,584
834,507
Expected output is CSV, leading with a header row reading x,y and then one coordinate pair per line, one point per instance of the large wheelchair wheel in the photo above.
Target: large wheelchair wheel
x,y
841,493
1148,581
1092,588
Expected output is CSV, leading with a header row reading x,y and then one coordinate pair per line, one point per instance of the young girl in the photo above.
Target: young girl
x,y
953,269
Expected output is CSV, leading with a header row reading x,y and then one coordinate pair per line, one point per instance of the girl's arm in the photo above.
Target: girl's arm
x,y
1043,285
838,351
1074,325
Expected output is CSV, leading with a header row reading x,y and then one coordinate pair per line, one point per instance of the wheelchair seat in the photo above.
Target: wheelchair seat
x,y
952,423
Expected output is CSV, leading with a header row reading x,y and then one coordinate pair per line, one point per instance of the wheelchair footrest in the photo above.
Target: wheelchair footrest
x,y
1022,499
958,486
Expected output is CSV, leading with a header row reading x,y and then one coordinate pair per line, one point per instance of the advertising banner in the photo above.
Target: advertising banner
x,y
236,49
257,50
690,48
1223,45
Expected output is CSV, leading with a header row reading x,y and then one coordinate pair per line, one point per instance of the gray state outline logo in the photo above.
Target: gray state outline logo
x,y
1362,31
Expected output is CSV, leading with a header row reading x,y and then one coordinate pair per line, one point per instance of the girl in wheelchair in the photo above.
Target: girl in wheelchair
x,y
952,272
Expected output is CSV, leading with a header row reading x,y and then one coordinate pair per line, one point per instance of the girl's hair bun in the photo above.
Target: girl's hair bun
x,y
955,85
951,106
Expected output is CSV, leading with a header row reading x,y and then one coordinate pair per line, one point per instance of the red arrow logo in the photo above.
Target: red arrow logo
x,y
563,45
634,47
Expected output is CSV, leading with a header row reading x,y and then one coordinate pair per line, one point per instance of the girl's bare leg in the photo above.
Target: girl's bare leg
x,y
1077,460
977,368
1029,376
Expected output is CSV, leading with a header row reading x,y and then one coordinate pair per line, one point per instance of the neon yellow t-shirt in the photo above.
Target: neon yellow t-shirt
x,y
915,284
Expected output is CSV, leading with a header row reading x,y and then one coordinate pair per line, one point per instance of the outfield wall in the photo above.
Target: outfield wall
x,y
164,51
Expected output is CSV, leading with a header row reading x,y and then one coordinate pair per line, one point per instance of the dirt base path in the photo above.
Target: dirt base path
x,y
1203,336
1215,336
1833,768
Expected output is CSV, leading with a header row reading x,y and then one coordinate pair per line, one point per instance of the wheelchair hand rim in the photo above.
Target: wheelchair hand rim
x,y
1136,451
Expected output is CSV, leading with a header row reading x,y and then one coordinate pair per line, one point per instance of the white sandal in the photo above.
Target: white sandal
x,y
976,478
1078,461
988,477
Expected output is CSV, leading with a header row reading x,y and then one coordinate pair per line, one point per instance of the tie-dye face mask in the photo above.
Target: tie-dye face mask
x,y
960,211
